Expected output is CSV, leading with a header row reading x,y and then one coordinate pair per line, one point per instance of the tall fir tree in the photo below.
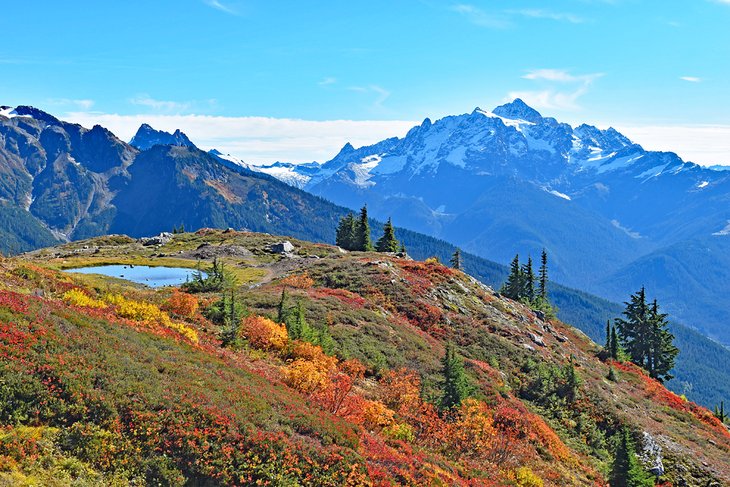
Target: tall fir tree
x,y
528,281
362,240
613,351
662,352
513,287
283,307
456,262
455,385
634,329
626,471
543,276
645,338
388,242
608,335
346,232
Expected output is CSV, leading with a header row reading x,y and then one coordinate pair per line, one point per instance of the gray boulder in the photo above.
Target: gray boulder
x,y
160,239
284,247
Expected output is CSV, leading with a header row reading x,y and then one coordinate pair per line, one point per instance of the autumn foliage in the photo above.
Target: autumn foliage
x,y
264,334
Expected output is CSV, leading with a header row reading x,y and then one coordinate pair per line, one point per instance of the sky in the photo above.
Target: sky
x,y
294,81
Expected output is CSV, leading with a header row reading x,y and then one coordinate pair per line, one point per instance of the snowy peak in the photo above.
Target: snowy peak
x,y
147,137
518,110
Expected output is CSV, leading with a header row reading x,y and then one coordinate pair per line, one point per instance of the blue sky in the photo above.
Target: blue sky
x,y
264,80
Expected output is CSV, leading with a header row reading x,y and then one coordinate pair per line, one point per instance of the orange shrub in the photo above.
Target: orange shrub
x,y
264,334
401,389
310,371
376,415
299,281
182,304
474,431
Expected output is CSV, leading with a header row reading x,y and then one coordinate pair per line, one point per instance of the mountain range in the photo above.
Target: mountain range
x,y
612,215
62,182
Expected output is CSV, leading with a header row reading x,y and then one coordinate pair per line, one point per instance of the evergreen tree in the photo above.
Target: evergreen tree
x,y
626,470
403,249
296,325
543,276
388,242
231,320
455,386
362,232
635,329
608,336
528,282
662,352
645,337
346,232
513,287
572,383
614,350
283,307
720,412
456,260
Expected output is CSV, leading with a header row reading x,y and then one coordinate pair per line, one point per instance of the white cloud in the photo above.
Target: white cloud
x,y
83,104
219,6
257,140
702,144
565,98
537,13
159,105
327,81
381,94
692,79
482,18
560,75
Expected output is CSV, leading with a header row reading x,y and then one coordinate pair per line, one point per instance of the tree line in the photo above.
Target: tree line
x,y
527,287
354,234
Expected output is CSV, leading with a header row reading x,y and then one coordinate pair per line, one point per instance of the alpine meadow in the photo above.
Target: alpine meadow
x,y
246,243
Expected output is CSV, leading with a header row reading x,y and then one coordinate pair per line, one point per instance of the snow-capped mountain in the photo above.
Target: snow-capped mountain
x,y
510,180
147,137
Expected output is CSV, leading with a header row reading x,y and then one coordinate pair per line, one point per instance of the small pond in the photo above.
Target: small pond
x,y
142,274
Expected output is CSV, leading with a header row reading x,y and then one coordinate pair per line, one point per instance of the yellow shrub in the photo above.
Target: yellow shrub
x,y
76,297
377,415
527,478
149,314
304,376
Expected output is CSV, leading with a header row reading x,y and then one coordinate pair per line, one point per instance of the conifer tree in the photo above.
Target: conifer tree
x,y
456,259
231,319
644,336
513,287
608,336
613,351
662,352
346,232
528,281
388,242
283,307
720,412
543,276
403,248
362,240
634,330
626,470
296,324
455,386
